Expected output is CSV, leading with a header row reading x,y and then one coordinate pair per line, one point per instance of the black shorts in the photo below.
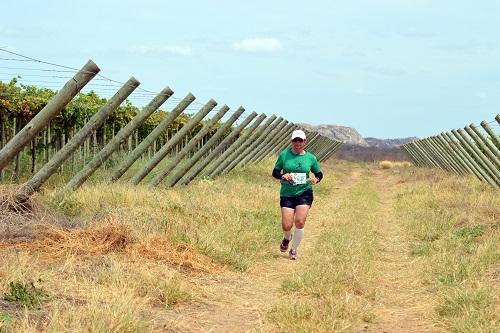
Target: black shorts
x,y
305,198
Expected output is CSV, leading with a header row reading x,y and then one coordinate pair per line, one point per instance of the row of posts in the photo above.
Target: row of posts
x,y
249,142
471,150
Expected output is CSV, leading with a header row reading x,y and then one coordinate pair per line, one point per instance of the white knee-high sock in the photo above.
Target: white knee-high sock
x,y
298,234
287,234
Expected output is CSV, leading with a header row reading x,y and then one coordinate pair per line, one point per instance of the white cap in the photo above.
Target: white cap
x,y
299,134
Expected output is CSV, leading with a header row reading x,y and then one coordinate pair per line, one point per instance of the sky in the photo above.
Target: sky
x,y
388,68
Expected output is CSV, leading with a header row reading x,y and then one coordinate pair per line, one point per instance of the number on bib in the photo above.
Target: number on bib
x,y
299,178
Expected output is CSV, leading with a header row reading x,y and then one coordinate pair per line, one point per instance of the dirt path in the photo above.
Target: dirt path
x,y
402,304
239,302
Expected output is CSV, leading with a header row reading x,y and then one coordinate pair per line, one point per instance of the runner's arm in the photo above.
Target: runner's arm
x,y
277,174
318,175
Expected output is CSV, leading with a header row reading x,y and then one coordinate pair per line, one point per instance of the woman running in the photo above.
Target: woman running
x,y
296,196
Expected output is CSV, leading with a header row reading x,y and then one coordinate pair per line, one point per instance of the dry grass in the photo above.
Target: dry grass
x,y
454,225
334,291
392,165
112,258
116,258
386,165
55,244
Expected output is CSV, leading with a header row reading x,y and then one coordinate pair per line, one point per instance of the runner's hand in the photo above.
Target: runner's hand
x,y
313,180
287,177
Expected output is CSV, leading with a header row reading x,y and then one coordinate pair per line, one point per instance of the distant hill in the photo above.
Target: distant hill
x,y
388,143
357,148
339,133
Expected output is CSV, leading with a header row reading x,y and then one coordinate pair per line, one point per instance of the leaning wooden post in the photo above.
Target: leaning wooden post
x,y
49,112
238,147
329,153
284,142
459,164
269,140
179,135
260,141
205,148
115,142
494,137
432,157
444,157
69,148
494,150
311,137
254,141
454,154
328,146
220,147
409,154
466,157
485,162
327,150
318,144
428,161
273,142
485,149
416,157
154,135
436,156
188,147
279,142
482,167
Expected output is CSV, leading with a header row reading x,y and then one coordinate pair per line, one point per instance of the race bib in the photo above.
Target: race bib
x,y
299,178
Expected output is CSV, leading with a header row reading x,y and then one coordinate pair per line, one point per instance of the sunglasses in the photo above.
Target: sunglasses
x,y
298,140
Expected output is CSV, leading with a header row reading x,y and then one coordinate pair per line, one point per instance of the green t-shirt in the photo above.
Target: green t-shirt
x,y
288,162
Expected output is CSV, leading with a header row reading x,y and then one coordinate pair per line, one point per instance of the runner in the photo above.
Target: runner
x,y
296,195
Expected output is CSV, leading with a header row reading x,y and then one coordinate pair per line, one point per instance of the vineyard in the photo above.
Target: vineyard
x,y
128,210
53,126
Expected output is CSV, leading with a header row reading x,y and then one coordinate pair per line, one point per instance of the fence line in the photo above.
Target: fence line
x,y
200,148
464,151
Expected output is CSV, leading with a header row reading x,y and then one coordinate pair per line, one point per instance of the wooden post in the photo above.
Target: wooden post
x,y
220,147
480,140
237,147
113,144
453,154
277,142
481,166
95,122
264,140
179,135
152,137
190,145
205,148
53,107
491,133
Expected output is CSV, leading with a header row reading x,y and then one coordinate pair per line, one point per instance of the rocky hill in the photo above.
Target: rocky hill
x,y
357,148
339,133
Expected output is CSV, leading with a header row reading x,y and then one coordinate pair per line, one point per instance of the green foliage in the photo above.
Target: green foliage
x,y
25,294
471,232
5,323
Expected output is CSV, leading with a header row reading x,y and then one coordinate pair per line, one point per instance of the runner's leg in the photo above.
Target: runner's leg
x,y
301,212
287,219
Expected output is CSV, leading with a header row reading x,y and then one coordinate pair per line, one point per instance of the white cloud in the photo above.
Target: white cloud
x,y
262,44
183,51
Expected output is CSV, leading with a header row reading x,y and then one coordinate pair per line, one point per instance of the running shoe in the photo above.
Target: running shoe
x,y
293,254
284,245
